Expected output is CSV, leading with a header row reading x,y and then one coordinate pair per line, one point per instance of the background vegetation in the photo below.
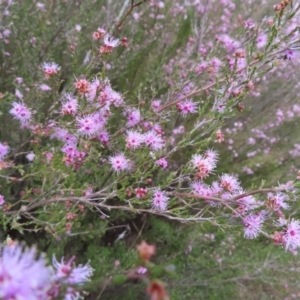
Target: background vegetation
x,y
210,262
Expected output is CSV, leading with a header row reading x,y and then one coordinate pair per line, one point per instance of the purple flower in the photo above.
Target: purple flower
x,y
103,137
162,162
252,226
155,105
290,54
3,150
160,200
87,125
292,235
23,275
201,189
50,69
133,117
187,107
69,274
134,139
261,40
70,106
153,140
21,112
119,162
2,200
229,182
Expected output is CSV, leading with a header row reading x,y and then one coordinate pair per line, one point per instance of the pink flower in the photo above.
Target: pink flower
x,y
201,67
108,96
162,162
133,117
141,193
153,140
216,64
70,106
204,165
82,86
252,226
2,200
211,155
72,276
30,156
134,139
103,137
119,162
201,189
100,119
159,200
19,80
216,189
21,112
261,40
187,107
110,41
50,69
4,149
290,54
18,94
87,125
141,270
155,105
45,87
229,182
100,33
246,203
292,235
277,201
91,93
49,156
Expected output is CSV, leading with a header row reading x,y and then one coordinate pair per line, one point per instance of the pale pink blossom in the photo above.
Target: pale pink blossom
x,y
50,69
187,107
103,137
70,105
229,182
87,125
155,105
204,165
99,33
21,112
133,117
2,200
45,87
153,140
4,149
162,162
134,139
252,226
160,200
261,40
292,235
119,162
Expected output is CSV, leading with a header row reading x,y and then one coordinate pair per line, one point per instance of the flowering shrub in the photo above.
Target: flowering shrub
x,y
118,131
